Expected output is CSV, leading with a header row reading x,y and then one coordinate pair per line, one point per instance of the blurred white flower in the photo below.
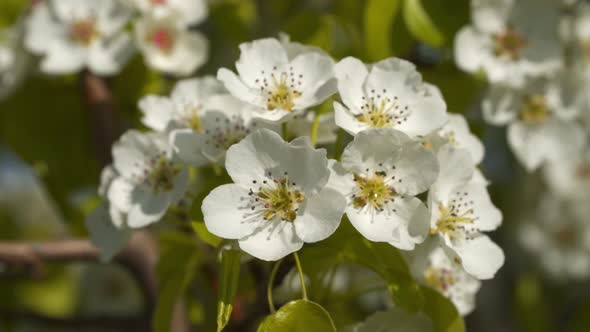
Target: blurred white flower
x,y
72,35
169,46
461,210
279,80
189,12
14,60
540,121
388,94
558,233
456,132
569,176
279,198
380,173
511,39
185,106
432,267
225,122
395,320
150,178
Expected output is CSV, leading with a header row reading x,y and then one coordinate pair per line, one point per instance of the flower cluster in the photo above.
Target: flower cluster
x,y
408,175
72,35
537,69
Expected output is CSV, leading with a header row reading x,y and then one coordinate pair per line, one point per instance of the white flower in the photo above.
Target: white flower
x,y
540,122
432,267
75,34
279,80
569,176
380,173
150,177
14,60
395,320
189,12
461,210
559,234
301,125
224,122
510,39
456,132
185,106
169,46
279,198
388,94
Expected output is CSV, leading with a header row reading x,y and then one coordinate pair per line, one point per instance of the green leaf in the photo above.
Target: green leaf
x,y
379,18
230,277
175,270
204,234
442,311
420,24
298,316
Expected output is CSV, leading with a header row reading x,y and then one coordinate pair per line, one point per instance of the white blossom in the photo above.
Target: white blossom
x,y
380,174
72,35
279,198
570,176
461,210
169,46
557,232
433,268
185,106
280,81
189,12
510,39
540,121
150,177
387,94
456,132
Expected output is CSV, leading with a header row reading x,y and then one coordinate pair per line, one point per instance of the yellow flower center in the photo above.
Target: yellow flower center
x,y
283,95
279,199
162,174
372,191
509,44
535,110
84,32
439,279
451,220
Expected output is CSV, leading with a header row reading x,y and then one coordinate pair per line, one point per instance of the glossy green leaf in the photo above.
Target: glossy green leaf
x,y
442,311
204,234
298,316
420,24
230,278
379,19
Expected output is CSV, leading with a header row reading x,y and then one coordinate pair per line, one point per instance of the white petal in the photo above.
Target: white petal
x,y
119,194
346,120
147,207
227,212
193,12
189,146
41,29
157,111
104,235
470,49
275,241
109,58
416,169
259,56
480,257
456,169
197,90
428,112
463,138
238,89
500,105
128,151
351,74
63,57
318,82
321,217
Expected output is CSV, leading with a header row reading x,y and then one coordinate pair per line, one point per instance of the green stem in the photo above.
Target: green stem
x,y
314,128
301,278
271,281
285,130
338,144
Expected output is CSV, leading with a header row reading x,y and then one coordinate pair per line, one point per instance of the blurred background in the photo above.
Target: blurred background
x,y
56,132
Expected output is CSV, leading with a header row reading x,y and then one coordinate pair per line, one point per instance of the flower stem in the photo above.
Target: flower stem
x,y
314,129
338,144
285,130
271,281
301,278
